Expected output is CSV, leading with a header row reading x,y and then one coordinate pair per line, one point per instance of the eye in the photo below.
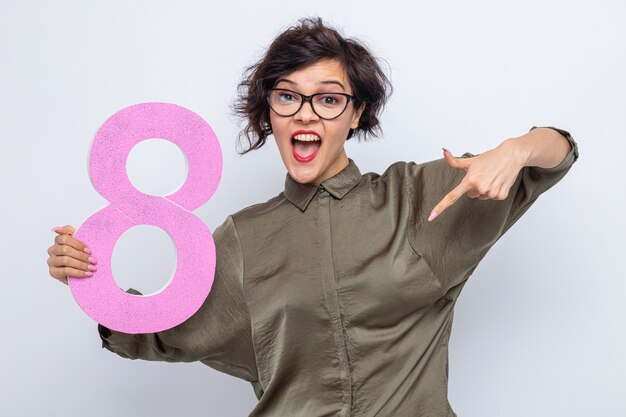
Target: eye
x,y
330,100
285,97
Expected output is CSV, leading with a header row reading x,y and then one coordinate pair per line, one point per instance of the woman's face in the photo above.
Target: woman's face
x,y
309,160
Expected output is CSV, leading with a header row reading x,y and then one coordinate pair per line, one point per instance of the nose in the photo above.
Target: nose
x,y
306,113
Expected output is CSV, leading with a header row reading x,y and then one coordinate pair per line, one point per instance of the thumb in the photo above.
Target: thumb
x,y
454,162
65,230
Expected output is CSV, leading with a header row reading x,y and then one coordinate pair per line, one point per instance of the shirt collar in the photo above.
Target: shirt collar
x,y
338,186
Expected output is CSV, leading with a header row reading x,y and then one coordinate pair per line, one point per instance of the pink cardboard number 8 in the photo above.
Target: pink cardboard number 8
x,y
99,296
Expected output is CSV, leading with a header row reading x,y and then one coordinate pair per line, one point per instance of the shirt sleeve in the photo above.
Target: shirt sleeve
x,y
218,334
454,243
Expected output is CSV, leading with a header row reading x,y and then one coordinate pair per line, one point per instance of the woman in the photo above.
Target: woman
x,y
336,297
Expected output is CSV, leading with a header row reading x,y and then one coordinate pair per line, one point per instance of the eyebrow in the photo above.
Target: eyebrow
x,y
321,82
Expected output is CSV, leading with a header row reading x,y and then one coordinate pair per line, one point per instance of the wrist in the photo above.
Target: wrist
x,y
519,148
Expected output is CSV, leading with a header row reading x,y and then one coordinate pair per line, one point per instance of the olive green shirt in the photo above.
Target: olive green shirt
x,y
338,299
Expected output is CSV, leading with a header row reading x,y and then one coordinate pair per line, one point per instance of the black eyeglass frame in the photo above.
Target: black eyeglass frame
x,y
304,99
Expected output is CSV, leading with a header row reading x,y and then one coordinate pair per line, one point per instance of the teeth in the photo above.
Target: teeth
x,y
307,138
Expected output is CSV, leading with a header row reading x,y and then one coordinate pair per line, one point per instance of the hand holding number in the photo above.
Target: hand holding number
x,y
69,256
490,176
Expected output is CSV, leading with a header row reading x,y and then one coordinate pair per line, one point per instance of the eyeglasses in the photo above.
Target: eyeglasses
x,y
327,106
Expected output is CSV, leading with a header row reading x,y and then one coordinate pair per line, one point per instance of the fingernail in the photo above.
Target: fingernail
x,y
88,273
87,250
445,149
433,214
92,260
54,229
92,268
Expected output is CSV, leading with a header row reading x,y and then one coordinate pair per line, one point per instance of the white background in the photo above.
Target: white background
x,y
539,330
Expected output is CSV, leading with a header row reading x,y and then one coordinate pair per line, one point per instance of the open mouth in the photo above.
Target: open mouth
x,y
305,146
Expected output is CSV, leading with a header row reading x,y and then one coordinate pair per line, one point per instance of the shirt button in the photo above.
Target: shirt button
x,y
320,190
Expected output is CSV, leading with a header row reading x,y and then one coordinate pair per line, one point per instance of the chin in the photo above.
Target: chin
x,y
302,178
303,175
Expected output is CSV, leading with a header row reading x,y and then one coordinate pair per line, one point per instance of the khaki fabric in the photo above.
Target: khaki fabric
x,y
338,299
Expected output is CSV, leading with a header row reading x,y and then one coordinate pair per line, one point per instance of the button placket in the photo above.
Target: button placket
x,y
332,299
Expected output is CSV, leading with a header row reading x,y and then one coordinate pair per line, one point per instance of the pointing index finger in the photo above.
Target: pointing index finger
x,y
449,199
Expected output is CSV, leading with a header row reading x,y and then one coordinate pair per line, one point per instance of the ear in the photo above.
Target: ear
x,y
356,116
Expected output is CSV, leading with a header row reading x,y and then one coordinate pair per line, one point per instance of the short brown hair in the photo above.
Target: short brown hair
x,y
309,41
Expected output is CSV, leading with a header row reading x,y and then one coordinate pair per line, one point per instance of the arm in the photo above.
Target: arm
x,y
219,334
456,241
